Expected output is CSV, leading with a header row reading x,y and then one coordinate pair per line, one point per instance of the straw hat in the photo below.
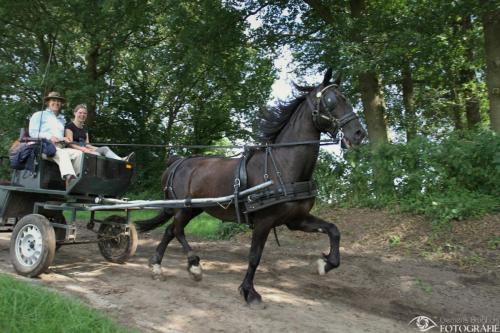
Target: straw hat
x,y
54,95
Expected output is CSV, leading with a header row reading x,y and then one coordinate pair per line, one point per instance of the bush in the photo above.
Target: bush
x,y
456,178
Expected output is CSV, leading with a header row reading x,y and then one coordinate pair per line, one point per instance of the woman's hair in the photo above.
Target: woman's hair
x,y
79,106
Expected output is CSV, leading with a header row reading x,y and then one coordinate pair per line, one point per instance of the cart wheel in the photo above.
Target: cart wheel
x,y
116,245
32,245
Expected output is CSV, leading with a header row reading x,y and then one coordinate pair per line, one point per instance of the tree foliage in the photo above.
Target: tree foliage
x,y
196,72
151,72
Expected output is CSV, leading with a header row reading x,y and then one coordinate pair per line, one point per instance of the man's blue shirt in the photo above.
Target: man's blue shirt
x,y
45,124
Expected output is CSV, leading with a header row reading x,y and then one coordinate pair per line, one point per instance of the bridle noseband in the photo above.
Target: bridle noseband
x,y
327,123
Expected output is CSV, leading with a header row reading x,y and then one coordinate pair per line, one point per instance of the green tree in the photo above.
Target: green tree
x,y
491,26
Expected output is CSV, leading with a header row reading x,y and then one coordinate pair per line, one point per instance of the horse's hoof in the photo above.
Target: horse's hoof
x,y
257,305
196,272
252,297
321,266
156,273
254,301
158,277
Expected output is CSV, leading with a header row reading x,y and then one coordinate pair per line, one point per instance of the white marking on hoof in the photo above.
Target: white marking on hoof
x,y
321,266
258,306
157,273
196,272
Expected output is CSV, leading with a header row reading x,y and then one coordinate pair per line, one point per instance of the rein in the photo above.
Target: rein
x,y
251,146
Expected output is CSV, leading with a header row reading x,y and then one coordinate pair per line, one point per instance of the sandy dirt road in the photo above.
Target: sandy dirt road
x,y
374,290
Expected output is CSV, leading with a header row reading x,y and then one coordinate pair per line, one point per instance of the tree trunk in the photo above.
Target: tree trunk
x,y
470,98
472,113
456,113
373,108
93,75
410,118
357,7
491,27
370,89
468,77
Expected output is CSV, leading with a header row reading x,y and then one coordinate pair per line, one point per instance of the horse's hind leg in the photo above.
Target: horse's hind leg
x,y
314,224
155,260
181,219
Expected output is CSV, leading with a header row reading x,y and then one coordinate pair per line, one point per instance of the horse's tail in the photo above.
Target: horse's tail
x,y
147,225
166,213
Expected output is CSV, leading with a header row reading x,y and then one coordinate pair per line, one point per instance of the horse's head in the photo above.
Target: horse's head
x,y
332,113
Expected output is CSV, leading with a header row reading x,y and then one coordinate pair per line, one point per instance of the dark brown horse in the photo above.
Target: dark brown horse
x,y
319,109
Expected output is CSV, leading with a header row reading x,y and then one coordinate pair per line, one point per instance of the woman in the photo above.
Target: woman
x,y
78,135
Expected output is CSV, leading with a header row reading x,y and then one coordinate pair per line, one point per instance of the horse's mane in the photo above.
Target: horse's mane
x,y
272,120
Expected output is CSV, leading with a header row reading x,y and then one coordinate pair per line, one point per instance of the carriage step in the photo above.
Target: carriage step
x,y
70,231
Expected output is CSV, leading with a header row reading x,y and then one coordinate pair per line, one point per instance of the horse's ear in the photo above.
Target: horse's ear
x,y
338,79
328,77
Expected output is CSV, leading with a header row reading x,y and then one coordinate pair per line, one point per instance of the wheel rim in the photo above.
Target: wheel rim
x,y
29,245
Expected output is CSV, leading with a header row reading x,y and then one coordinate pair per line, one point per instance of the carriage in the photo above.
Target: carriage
x,y
40,211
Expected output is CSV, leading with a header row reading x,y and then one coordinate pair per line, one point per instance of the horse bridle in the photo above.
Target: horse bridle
x,y
327,123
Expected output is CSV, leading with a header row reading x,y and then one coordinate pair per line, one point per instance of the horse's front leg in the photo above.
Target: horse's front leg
x,y
259,238
314,224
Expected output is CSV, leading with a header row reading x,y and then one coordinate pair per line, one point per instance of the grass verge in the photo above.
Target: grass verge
x,y
28,308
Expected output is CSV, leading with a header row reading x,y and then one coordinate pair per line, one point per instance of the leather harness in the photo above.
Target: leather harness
x,y
284,192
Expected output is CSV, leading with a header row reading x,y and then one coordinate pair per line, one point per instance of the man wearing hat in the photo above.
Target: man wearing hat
x,y
49,124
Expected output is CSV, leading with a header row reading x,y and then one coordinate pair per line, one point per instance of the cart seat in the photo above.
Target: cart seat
x,y
100,176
